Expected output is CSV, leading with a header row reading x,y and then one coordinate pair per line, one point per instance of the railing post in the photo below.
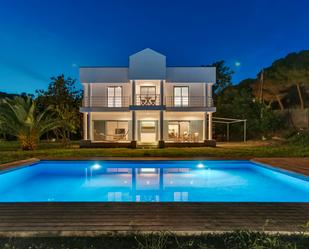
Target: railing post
x,y
133,93
209,95
89,95
161,92
205,96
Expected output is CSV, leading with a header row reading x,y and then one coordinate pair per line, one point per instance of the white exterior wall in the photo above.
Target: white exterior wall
x,y
148,68
147,64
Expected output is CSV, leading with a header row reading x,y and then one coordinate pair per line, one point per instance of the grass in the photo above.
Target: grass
x,y
233,240
10,151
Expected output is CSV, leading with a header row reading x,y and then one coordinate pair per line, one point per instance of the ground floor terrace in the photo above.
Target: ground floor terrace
x,y
155,127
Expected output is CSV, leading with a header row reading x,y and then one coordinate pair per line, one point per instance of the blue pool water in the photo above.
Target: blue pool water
x,y
151,181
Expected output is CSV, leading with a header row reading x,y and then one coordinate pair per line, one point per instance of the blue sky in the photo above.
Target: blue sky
x,y
40,39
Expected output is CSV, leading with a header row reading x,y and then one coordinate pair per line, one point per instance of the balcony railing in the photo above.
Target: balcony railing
x,y
101,101
190,101
147,99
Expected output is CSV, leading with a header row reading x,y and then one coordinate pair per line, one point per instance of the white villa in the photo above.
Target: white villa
x,y
147,103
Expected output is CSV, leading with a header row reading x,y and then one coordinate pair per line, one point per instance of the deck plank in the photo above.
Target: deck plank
x,y
299,164
73,218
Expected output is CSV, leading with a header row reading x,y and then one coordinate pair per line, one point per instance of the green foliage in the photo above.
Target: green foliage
x,y
233,240
19,117
238,102
282,76
152,241
223,76
251,240
300,138
9,152
65,99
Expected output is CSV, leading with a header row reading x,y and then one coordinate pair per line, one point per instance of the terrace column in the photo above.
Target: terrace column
x,y
161,141
205,127
133,141
205,96
89,95
210,126
161,92
85,125
89,128
209,95
133,85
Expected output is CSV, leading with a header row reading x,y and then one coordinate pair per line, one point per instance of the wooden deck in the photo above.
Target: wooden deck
x,y
89,219
299,164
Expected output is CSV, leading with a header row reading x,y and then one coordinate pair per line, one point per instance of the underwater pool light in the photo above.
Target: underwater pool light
x,y
96,166
201,166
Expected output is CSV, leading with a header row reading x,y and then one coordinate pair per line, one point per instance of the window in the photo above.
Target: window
x,y
148,95
116,127
181,96
148,91
179,130
114,96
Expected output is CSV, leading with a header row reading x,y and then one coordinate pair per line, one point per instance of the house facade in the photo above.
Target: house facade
x,y
147,103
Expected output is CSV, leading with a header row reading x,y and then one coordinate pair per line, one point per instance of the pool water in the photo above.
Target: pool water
x,y
151,181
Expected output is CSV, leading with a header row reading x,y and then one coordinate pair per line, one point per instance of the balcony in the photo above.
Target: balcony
x,y
188,102
147,100
106,102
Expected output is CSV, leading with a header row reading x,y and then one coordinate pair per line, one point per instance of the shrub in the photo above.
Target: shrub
x,y
301,138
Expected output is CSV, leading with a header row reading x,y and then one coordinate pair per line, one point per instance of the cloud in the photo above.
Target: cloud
x,y
20,67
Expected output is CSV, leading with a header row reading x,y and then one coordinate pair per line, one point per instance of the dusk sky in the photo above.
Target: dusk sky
x,y
40,39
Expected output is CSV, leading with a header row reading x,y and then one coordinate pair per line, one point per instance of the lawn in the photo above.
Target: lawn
x,y
10,151
233,240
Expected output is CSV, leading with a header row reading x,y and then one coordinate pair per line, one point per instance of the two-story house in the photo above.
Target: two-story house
x,y
147,102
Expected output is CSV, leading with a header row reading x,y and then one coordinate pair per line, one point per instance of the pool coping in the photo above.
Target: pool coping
x,y
270,165
218,217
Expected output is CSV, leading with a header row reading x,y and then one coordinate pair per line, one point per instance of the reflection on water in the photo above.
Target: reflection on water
x,y
156,184
176,181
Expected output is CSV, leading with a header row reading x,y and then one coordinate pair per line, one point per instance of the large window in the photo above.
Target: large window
x,y
148,95
179,130
114,96
181,96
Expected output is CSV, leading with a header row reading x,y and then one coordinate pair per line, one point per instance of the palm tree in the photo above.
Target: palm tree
x,y
19,117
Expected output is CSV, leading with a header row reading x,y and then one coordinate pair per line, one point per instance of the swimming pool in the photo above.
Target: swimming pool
x,y
151,181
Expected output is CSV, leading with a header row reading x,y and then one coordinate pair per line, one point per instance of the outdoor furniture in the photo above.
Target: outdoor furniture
x,y
113,137
153,100
147,100
121,136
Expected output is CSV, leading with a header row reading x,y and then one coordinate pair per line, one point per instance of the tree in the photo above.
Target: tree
x,y
223,76
238,102
294,70
65,99
19,117
273,90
